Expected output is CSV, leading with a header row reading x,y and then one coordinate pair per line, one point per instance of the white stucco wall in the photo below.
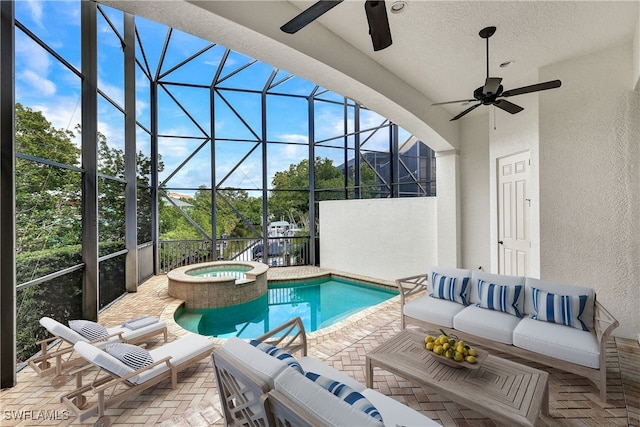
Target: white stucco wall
x,y
589,182
474,192
381,238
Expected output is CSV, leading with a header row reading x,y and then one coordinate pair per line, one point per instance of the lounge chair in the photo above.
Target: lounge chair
x,y
116,381
132,331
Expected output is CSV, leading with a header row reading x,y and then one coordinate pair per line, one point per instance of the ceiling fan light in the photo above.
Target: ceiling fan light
x,y
398,6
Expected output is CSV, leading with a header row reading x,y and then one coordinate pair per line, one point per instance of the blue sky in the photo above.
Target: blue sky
x,y
44,84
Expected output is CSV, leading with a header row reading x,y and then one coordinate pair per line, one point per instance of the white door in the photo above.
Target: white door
x,y
513,214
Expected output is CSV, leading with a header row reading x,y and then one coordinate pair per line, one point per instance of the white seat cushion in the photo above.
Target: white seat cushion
x,y
256,361
559,341
433,310
311,397
482,322
395,413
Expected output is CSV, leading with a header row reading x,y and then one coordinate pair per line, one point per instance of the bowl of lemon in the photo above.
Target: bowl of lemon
x,y
454,352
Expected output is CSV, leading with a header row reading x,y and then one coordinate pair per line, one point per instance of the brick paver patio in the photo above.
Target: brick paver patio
x,y
573,400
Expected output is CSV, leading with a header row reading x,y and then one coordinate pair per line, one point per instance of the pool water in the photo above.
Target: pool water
x,y
238,272
320,303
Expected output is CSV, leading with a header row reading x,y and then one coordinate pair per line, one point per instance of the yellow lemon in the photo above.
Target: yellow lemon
x,y
458,357
445,346
430,345
461,343
473,352
448,354
460,349
471,359
438,349
429,338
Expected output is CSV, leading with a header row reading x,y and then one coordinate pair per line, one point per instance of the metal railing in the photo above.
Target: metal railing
x,y
281,251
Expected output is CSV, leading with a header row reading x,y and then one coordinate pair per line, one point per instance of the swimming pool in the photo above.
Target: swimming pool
x,y
320,303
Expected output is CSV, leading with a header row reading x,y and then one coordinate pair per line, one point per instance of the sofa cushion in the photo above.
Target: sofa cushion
x,y
311,364
558,341
257,362
331,410
395,413
560,289
497,279
564,310
504,298
450,288
346,393
484,323
433,310
278,353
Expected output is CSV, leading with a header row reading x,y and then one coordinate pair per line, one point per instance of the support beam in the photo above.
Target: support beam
x,y
89,45
7,202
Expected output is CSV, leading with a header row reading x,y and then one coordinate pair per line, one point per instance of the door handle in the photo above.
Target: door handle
x,y
500,242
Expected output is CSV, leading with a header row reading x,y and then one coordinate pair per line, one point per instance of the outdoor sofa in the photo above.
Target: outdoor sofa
x,y
270,387
556,324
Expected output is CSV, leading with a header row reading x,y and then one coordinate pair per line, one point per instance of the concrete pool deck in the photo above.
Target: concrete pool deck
x,y
573,400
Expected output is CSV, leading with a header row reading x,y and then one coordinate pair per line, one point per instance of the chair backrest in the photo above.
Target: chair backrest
x,y
59,330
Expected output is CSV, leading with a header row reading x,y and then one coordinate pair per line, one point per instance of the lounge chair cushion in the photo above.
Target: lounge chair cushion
x,y
278,353
59,330
131,355
88,329
329,409
139,322
346,393
139,331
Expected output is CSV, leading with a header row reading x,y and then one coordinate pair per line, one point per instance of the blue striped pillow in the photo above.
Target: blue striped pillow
x,y
450,288
279,354
562,309
346,393
504,298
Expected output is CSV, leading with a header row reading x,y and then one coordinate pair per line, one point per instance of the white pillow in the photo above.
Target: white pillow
x,y
131,355
88,329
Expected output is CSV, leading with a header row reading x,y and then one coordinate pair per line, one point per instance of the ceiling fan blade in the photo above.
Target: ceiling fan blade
x,y
533,88
460,101
507,106
309,15
491,85
378,24
468,110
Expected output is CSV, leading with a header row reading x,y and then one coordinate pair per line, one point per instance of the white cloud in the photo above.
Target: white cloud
x,y
38,82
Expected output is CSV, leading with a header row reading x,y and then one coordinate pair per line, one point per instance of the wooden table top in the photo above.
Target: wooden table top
x,y
501,389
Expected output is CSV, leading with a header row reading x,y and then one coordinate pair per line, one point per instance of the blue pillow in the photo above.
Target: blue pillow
x,y
346,393
450,288
279,354
562,309
504,298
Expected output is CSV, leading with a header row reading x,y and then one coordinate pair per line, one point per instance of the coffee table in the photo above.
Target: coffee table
x,y
501,389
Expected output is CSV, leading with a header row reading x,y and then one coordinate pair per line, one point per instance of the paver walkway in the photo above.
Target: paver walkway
x,y
573,400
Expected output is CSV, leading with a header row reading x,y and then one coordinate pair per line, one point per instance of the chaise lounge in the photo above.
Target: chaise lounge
x,y
125,370
133,331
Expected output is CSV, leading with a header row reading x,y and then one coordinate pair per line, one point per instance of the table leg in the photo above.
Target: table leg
x,y
369,372
545,400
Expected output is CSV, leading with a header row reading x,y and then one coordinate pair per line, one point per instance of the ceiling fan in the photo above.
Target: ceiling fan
x,y
492,92
376,16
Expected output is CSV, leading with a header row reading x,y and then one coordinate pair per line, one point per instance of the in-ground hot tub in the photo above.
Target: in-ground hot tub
x,y
218,284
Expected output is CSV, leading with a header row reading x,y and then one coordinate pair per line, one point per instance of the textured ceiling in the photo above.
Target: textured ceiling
x,y
436,53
